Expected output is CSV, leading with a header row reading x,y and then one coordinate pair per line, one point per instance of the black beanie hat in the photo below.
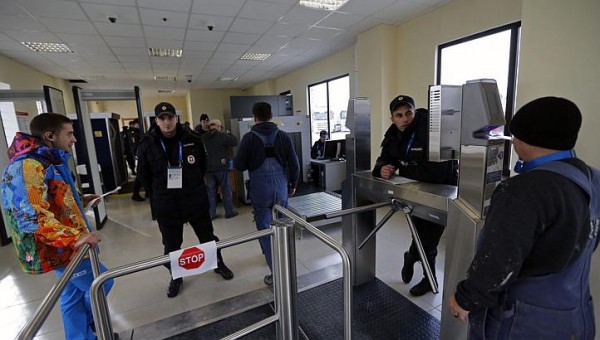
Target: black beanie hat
x,y
548,122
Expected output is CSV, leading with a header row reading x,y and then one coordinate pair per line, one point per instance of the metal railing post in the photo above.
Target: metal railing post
x,y
284,279
346,267
102,295
37,320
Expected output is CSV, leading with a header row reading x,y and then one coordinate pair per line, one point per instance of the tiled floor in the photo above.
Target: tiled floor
x,y
129,236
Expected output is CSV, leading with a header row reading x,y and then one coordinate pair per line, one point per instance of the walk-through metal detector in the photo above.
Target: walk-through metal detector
x,y
80,97
53,101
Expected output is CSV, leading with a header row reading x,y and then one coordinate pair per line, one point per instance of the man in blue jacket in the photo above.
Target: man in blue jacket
x,y
268,154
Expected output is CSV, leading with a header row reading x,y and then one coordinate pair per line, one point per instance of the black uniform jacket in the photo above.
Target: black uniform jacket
x,y
412,163
175,204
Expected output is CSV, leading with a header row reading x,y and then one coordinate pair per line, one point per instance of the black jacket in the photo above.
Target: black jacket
x,y
175,204
218,149
413,163
538,223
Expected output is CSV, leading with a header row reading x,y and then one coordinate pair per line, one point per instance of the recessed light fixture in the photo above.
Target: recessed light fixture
x,y
47,47
255,56
166,91
330,5
228,78
165,52
169,78
93,77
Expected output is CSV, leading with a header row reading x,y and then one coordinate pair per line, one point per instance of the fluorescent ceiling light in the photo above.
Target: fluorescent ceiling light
x,y
228,78
93,77
255,56
330,5
165,52
166,91
170,78
47,47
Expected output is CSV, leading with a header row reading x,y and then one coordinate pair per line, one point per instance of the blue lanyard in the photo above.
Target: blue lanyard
x,y
180,152
409,145
522,167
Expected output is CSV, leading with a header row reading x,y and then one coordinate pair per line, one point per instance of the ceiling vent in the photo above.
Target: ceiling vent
x,y
47,47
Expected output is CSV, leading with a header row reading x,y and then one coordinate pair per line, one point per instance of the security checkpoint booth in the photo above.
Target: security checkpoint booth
x,y
462,120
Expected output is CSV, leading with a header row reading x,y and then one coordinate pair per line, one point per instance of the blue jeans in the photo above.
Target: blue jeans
x,y
214,179
268,187
75,302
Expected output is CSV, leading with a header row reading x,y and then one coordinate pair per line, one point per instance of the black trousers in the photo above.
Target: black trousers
x,y
430,234
172,234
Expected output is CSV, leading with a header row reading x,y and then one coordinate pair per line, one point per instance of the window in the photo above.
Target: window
x,y
328,102
491,54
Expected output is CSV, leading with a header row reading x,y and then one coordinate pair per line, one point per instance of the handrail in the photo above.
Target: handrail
x,y
346,269
102,324
34,324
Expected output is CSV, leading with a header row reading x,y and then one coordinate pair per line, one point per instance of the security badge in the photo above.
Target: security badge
x,y
191,159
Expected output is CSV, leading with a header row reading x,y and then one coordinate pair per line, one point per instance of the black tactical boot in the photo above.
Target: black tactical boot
x,y
174,287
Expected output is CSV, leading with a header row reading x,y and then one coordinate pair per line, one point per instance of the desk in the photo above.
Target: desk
x,y
329,174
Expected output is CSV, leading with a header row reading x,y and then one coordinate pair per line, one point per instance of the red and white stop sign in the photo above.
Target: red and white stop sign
x,y
191,258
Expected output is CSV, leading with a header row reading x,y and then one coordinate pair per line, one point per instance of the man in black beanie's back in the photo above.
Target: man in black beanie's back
x,y
530,276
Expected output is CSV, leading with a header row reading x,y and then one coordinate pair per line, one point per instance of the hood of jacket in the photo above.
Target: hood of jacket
x,y
264,128
24,144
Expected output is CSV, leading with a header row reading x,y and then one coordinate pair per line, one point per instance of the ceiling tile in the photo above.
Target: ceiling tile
x,y
83,39
155,32
54,9
32,36
171,5
133,59
365,8
11,7
204,35
142,52
165,43
199,46
125,42
301,43
69,26
224,47
240,38
120,30
112,2
319,33
201,22
100,13
304,16
157,18
287,30
217,7
250,26
340,20
17,22
226,55
261,10
9,45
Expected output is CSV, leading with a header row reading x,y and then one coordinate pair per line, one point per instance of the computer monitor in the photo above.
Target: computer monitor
x,y
335,149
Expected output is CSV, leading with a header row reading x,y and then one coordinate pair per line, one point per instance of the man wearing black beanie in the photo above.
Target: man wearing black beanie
x,y
530,276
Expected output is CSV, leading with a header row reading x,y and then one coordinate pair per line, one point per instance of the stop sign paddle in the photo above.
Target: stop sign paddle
x,y
193,260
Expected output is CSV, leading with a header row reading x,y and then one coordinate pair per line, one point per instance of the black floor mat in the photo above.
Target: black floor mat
x,y
225,327
379,312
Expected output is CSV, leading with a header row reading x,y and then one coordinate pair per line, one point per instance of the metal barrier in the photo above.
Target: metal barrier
x,y
346,269
34,324
284,279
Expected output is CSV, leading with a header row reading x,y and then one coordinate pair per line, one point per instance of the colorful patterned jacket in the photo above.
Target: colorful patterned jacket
x,y
44,215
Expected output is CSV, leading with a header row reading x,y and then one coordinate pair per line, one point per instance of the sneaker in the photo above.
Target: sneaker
x,y
137,198
174,287
225,272
421,288
233,214
268,280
